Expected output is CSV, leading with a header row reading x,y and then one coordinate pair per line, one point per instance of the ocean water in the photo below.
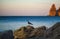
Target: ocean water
x,y
15,22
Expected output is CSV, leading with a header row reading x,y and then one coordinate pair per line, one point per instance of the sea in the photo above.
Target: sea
x,y
16,22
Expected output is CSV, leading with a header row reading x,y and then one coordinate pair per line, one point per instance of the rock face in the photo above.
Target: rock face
x,y
29,32
54,31
59,12
6,35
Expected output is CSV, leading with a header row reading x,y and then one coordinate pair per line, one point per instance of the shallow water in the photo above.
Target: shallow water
x,y
15,22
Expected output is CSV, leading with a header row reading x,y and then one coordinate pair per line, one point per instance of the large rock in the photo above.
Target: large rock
x,y
52,11
23,32
54,31
58,12
29,32
38,31
6,35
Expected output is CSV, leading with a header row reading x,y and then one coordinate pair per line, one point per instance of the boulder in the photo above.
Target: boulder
x,y
6,35
29,32
54,31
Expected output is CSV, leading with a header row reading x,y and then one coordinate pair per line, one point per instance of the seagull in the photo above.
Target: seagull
x,y
30,23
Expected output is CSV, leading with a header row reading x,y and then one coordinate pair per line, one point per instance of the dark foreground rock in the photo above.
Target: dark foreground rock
x,y
6,34
54,31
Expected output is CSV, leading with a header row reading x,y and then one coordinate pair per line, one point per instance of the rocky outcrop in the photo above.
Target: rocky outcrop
x,y
53,11
54,31
29,32
23,32
6,34
58,11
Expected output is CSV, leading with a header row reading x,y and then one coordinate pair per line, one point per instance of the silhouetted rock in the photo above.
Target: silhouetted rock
x,y
6,35
54,31
58,12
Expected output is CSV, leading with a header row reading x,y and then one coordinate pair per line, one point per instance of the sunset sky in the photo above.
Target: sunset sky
x,y
26,7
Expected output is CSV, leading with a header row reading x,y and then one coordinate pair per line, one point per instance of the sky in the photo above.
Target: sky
x,y
26,7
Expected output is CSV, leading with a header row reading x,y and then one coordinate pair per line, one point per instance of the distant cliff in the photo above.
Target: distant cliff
x,y
30,32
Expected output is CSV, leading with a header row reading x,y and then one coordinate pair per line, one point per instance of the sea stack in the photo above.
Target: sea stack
x,y
52,11
59,11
